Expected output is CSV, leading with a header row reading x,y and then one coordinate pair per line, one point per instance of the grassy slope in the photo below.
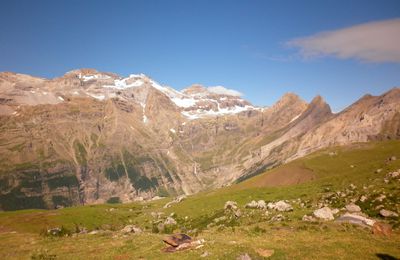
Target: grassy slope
x,y
290,239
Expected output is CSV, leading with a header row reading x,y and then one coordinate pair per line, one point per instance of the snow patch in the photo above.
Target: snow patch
x,y
200,113
172,130
294,118
224,91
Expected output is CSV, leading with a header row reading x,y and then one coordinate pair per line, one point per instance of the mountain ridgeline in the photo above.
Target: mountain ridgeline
x,y
92,137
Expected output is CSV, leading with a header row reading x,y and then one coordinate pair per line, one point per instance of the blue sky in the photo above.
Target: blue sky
x,y
241,45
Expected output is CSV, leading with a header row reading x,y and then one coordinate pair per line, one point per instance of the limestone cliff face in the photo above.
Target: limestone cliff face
x,y
91,136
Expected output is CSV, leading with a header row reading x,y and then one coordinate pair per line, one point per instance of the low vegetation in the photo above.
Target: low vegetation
x,y
334,177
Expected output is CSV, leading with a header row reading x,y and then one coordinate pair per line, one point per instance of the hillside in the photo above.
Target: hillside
x,y
89,137
333,177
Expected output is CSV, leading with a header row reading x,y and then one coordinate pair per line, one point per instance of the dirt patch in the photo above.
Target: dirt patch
x,y
284,176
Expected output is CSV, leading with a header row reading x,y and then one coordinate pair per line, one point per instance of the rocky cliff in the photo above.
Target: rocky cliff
x,y
90,137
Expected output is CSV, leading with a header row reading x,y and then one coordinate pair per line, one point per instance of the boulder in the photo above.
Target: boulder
x,y
355,219
176,200
278,217
380,228
280,206
256,204
252,205
353,208
131,229
363,198
324,213
261,204
388,213
308,218
170,221
230,205
393,174
177,239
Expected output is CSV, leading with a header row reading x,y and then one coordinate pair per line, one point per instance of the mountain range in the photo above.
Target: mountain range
x,y
91,137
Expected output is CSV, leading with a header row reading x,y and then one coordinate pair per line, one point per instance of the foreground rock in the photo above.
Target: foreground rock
x,y
178,242
355,219
324,213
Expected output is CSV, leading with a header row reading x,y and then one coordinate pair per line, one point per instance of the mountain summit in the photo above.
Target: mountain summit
x,y
89,136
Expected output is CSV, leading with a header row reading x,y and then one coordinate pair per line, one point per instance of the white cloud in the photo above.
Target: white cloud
x,y
224,91
371,42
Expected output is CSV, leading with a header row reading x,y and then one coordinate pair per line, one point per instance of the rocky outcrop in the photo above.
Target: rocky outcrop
x,y
93,137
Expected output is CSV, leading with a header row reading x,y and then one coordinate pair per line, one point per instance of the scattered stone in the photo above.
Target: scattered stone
x,y
230,205
280,206
131,229
243,257
378,170
265,252
352,166
256,204
324,213
170,221
381,198
393,174
388,213
94,232
278,217
220,219
353,208
363,198
157,198
205,254
380,228
335,211
393,158
237,213
177,200
308,218
177,239
252,205
355,219
352,186
111,209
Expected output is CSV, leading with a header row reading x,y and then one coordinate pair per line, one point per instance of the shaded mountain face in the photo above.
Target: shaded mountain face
x,y
89,136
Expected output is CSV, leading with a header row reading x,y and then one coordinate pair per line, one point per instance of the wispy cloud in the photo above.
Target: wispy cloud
x,y
370,42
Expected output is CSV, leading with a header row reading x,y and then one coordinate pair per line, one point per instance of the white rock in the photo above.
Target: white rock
x,y
388,213
280,206
353,208
356,219
131,229
170,221
324,213
252,205
308,218
230,205
363,198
